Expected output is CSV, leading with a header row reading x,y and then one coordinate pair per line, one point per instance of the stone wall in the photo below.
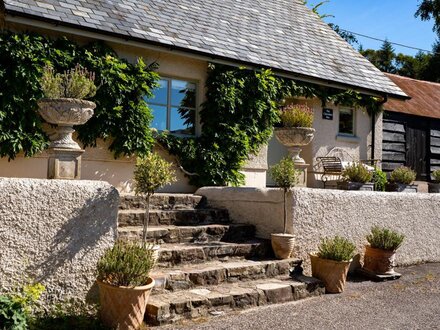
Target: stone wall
x,y
54,231
317,213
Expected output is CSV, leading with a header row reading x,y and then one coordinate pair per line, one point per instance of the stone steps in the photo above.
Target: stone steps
x,y
161,201
187,217
217,272
193,253
216,300
187,234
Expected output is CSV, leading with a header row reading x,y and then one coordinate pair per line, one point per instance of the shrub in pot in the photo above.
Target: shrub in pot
x,y
286,176
356,176
332,261
124,284
379,179
151,173
434,187
401,180
380,254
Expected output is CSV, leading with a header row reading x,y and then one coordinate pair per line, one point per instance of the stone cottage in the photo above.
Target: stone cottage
x,y
183,37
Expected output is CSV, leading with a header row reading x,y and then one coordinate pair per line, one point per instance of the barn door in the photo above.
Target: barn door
x,y
416,147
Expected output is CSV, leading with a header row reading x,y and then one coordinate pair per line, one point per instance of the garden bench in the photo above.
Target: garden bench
x,y
332,167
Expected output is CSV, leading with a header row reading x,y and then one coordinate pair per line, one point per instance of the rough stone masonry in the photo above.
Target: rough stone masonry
x,y
53,232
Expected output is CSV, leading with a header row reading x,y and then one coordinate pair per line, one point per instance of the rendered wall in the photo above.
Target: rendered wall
x,y
54,231
318,213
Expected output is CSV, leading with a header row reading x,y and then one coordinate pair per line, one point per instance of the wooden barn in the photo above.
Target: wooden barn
x,y
411,128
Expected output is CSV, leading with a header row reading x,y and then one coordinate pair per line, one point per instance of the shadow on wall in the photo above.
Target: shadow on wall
x,y
78,241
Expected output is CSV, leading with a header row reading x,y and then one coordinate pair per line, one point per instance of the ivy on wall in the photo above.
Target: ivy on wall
x,y
237,118
121,113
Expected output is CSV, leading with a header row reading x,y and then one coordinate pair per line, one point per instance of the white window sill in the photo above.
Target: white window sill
x,y
348,138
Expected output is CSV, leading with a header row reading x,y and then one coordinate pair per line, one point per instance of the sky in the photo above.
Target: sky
x,y
392,19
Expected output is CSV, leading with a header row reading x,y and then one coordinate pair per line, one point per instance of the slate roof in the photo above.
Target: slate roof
x,y
425,97
281,34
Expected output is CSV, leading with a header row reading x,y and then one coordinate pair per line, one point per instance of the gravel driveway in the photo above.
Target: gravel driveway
x,y
412,302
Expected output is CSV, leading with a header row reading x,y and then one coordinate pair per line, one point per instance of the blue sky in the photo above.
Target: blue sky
x,y
392,19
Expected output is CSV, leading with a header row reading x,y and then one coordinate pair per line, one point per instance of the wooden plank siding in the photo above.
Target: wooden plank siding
x,y
393,144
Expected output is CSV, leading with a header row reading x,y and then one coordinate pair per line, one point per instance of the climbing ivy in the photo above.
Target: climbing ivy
x,y
238,118
121,114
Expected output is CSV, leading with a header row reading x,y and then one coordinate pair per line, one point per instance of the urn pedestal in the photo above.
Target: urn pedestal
x,y
293,138
64,153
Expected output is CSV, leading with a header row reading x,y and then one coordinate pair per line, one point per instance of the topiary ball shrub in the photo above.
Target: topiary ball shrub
x,y
357,172
385,239
336,248
403,175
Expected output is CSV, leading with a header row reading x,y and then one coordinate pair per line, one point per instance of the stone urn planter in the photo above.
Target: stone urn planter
x,y
348,185
282,245
332,273
293,138
123,308
433,187
400,187
64,153
65,113
379,261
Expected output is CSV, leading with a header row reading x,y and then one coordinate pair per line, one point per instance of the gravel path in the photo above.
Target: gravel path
x,y
412,302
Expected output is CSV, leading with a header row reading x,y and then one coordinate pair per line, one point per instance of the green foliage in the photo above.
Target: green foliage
x,y
16,307
67,315
403,175
151,173
296,115
385,239
436,175
77,83
284,173
357,172
430,9
237,119
336,248
121,114
379,179
126,264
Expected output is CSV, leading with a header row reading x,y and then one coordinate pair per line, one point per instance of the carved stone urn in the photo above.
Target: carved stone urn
x,y
64,152
293,138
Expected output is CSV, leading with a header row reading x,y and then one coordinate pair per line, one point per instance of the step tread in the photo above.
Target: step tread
x,y
127,194
199,302
140,211
201,245
186,228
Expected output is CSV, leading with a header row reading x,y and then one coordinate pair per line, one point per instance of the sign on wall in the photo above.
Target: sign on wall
x,y
327,114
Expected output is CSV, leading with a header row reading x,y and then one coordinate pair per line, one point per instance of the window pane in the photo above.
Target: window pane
x,y
159,117
183,94
346,121
160,93
182,121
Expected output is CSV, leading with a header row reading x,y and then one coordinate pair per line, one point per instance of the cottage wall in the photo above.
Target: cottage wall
x,y
99,163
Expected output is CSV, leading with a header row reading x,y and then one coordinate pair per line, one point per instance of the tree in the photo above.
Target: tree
x,y
385,58
430,9
431,71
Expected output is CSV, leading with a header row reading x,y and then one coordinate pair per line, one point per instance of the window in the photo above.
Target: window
x,y
174,106
346,121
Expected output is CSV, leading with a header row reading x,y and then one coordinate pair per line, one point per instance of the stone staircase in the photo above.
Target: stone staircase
x,y
208,265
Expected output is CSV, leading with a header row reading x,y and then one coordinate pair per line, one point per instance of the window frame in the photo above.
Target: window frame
x,y
353,122
169,105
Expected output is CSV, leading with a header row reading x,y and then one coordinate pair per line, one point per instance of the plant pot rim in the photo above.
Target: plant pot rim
x,y
315,255
310,129
368,246
150,284
282,235
65,100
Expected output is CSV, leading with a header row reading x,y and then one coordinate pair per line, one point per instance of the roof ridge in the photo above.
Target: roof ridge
x,y
414,79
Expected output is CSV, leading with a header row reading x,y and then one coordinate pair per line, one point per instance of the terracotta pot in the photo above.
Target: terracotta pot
x,y
332,273
123,308
282,245
379,261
